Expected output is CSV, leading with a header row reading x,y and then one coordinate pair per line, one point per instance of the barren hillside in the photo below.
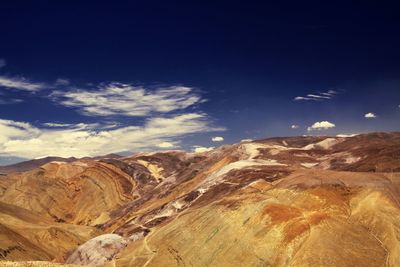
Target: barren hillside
x,y
296,201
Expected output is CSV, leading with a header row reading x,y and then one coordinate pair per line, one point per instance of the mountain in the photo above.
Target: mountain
x,y
35,163
289,201
31,164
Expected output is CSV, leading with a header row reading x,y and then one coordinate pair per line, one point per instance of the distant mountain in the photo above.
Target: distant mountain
x,y
35,163
31,164
8,160
288,201
108,156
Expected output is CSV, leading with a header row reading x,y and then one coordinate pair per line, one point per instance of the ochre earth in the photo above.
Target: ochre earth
x,y
296,201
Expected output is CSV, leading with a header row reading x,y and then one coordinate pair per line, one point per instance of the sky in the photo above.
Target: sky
x,y
88,78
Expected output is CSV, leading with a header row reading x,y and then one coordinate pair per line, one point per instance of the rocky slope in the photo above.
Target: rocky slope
x,y
296,201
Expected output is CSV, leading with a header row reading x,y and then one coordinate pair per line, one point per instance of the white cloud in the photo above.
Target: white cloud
x,y
370,115
20,84
166,145
2,62
346,135
201,149
294,126
317,96
319,125
246,140
128,100
217,139
15,130
80,140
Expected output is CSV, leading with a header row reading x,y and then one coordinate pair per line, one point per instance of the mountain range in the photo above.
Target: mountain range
x,y
287,201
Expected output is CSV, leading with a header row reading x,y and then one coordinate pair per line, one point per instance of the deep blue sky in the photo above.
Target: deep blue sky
x,y
249,61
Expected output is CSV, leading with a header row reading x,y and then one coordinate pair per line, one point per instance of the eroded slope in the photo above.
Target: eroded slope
x,y
298,201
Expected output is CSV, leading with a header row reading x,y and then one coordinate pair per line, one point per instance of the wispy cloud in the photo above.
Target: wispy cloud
x,y
168,114
295,126
2,62
128,100
10,101
321,125
20,84
81,140
12,130
317,96
57,125
62,82
370,115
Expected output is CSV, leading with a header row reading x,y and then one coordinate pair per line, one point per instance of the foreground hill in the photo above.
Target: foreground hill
x,y
296,201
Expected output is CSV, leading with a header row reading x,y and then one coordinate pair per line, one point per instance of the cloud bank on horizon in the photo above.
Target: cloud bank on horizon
x,y
82,140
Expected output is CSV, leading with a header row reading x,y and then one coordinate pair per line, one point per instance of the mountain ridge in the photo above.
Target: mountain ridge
x,y
265,202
